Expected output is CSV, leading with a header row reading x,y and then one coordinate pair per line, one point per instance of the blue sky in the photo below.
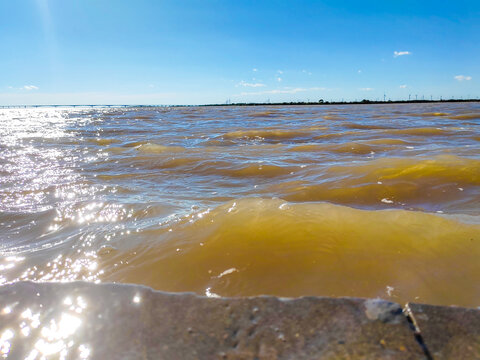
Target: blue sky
x,y
196,52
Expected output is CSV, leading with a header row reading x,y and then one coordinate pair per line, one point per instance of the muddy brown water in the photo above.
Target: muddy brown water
x,y
368,201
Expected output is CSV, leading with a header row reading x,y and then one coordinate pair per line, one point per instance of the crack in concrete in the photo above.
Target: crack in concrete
x,y
417,331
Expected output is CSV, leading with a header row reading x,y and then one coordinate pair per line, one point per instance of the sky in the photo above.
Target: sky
x,y
201,52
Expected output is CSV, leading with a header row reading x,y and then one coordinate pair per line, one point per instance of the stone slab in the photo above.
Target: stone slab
x,y
448,332
108,321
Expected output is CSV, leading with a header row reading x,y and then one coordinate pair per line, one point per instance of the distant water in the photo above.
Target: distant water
x,y
370,200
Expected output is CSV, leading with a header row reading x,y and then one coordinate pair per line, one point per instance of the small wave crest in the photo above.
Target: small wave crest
x,y
287,249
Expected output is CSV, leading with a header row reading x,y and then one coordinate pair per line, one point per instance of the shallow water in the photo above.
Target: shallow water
x,y
368,200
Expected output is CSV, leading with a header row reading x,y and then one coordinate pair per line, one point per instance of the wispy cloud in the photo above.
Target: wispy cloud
x,y
254,69
254,85
401,53
403,86
30,87
25,87
306,72
285,90
462,78
279,79
366,89
79,98
280,71
359,71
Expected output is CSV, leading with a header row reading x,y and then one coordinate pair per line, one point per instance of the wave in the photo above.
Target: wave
x,y
426,131
429,183
272,134
257,246
156,148
465,117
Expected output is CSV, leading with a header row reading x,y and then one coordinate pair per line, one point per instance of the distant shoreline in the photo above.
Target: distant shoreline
x,y
311,103
362,102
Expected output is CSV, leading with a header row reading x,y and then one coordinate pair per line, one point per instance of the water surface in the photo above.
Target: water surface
x,y
367,200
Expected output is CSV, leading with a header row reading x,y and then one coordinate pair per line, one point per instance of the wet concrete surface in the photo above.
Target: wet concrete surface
x,y
110,321
447,332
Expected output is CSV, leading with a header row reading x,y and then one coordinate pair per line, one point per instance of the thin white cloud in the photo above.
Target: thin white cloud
x,y
306,72
30,87
254,70
359,71
254,85
366,89
280,71
401,53
403,86
462,78
93,98
279,79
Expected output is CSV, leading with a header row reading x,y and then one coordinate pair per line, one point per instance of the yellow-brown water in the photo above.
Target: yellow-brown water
x,y
370,201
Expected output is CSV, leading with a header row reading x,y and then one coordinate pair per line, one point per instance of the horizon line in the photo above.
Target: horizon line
x,y
320,102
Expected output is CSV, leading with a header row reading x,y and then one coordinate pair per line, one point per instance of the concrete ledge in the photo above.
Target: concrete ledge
x,y
109,321
447,332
